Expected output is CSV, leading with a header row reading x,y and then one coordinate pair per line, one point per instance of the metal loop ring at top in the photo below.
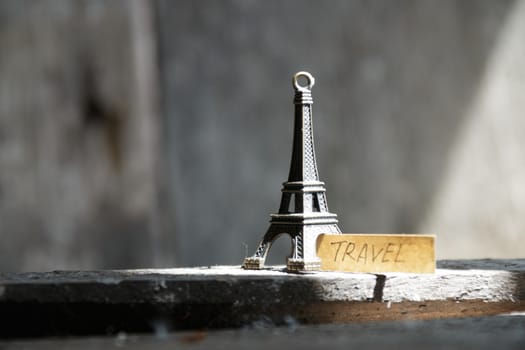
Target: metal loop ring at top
x,y
310,81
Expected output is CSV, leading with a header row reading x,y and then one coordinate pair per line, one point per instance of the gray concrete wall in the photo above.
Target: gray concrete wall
x,y
395,86
183,157
78,135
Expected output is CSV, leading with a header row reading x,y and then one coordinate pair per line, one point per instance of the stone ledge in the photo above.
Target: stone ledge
x,y
89,302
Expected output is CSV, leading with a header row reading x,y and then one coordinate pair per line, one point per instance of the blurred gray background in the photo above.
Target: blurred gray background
x,y
158,133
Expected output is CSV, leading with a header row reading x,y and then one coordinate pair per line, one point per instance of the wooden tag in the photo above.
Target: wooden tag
x,y
377,253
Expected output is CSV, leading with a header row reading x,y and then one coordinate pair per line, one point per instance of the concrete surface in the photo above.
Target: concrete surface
x,y
99,302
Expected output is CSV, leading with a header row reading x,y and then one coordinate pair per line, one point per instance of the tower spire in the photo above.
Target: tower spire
x,y
303,213
303,166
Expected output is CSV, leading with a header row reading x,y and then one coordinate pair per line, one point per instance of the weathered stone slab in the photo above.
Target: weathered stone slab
x,y
73,302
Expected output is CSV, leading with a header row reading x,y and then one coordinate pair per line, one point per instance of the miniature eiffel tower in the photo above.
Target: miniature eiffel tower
x,y
303,213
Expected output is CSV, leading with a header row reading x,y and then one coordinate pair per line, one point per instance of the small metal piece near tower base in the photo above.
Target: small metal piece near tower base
x,y
303,213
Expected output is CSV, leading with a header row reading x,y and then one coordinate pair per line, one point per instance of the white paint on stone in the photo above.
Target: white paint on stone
x,y
487,285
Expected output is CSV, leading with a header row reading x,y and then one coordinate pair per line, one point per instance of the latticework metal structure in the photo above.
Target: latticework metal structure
x,y
303,213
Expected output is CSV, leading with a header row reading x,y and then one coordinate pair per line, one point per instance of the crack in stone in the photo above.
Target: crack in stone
x,y
379,287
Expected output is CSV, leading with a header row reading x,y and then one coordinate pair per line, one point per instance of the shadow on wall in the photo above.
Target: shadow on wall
x,y
395,83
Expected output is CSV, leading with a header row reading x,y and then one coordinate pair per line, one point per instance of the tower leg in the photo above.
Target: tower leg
x,y
256,262
303,259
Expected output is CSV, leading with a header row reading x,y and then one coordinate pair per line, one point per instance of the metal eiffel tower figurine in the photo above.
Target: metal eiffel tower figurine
x,y
303,213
